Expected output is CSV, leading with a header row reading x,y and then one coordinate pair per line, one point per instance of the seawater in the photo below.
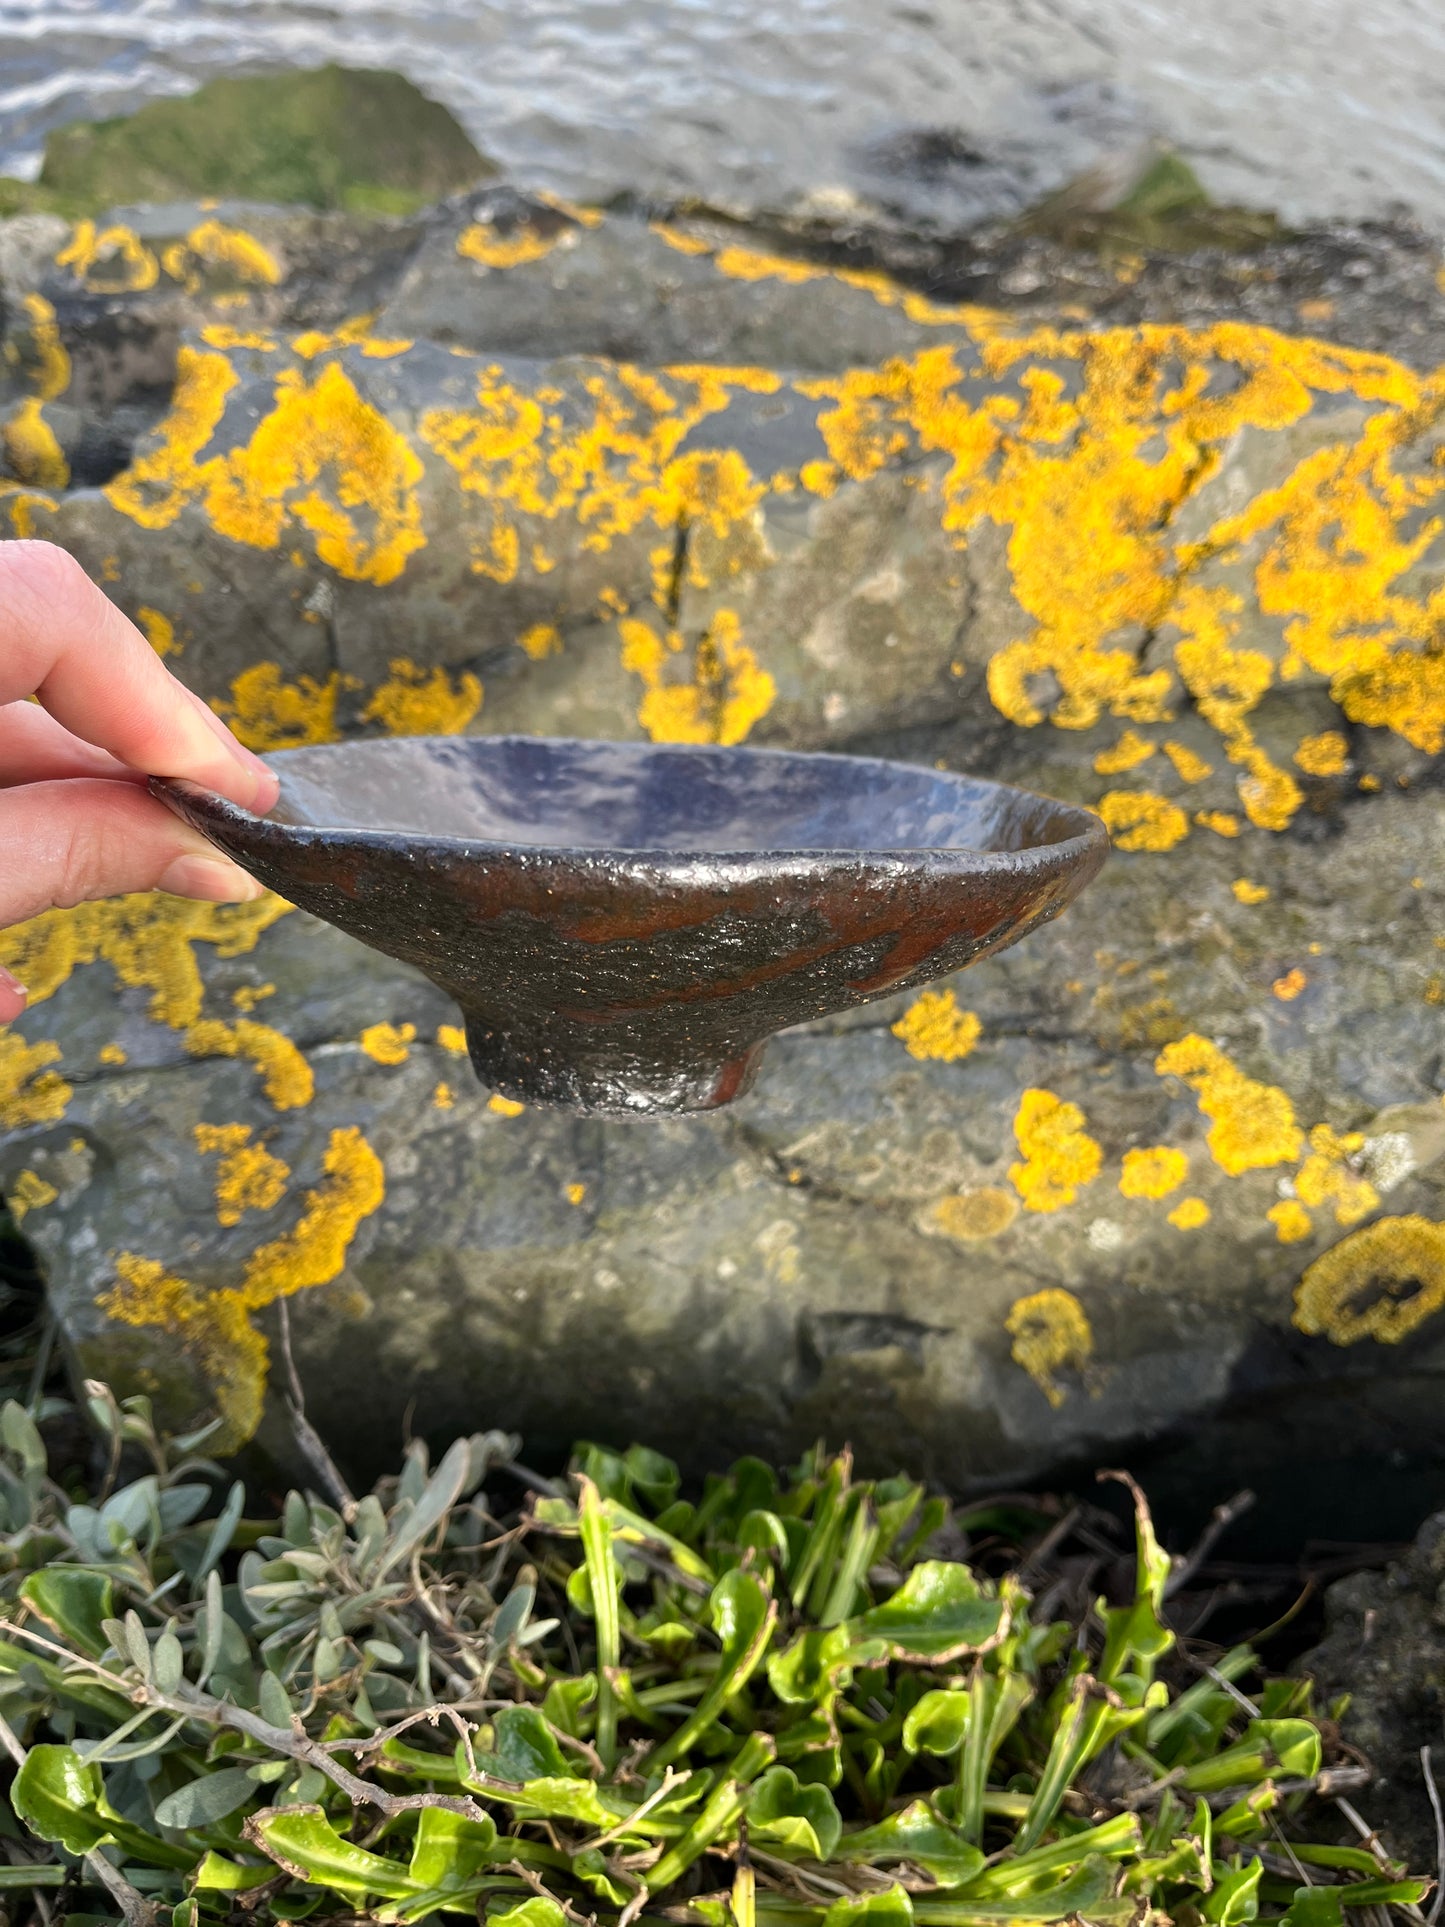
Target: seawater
x,y
953,109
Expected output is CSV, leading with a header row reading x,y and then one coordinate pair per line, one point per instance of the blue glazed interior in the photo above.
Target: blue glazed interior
x,y
532,792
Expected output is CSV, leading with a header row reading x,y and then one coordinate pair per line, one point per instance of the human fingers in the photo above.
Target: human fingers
x,y
65,642
34,748
69,841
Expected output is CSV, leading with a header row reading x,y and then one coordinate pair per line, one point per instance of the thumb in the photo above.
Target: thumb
x,y
74,840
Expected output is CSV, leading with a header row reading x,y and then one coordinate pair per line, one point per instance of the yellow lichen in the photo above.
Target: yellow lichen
x,y
1382,1282
323,459
248,1177
453,1038
610,470
30,1192
25,507
146,940
974,1215
215,1327
1327,754
727,694
1289,986
267,712
1187,766
1153,1172
1051,1334
747,264
111,1054
576,1193
32,451
1327,1178
388,1043
111,260
1190,1214
443,1097
155,488
490,247
40,355
158,630
934,1026
1081,449
1088,489
355,332
212,244
1292,1223
286,1077
1252,1125
213,1330
29,1092
315,1251
588,217
221,334
504,1106
543,639
1222,822
1247,892
819,478
1059,1157
1139,820
1128,753
423,702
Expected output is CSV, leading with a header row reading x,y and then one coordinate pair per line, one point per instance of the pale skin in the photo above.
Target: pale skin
x,y
75,819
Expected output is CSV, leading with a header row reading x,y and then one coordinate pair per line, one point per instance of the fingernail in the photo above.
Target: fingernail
x,y
12,990
214,879
259,789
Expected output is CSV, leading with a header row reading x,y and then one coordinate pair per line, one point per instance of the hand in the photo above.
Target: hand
x,y
75,818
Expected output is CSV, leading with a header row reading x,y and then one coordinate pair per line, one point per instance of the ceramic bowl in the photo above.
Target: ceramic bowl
x,y
625,924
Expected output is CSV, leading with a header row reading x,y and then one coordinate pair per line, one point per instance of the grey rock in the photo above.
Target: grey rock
x,y
558,497
1384,1648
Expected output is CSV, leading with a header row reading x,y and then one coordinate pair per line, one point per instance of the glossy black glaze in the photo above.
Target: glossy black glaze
x,y
625,924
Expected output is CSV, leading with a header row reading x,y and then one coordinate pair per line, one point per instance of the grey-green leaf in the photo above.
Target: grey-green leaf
x,y
167,1662
274,1701
208,1799
438,1497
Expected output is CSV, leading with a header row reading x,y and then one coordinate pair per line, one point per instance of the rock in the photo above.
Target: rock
x,y
330,137
1384,1647
1170,1170
507,274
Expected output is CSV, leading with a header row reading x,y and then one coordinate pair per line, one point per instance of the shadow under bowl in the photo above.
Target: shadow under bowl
x,y
625,924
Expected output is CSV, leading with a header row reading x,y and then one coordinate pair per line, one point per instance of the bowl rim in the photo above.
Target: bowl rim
x,y
1088,835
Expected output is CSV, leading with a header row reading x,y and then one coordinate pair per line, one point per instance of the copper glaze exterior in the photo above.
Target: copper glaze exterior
x,y
624,924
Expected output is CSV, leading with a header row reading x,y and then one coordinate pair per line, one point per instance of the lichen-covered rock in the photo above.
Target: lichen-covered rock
x,y
1180,1157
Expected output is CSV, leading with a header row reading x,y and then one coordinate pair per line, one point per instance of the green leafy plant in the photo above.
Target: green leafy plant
x,y
786,1701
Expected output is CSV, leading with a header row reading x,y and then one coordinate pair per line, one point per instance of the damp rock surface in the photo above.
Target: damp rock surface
x,y
1171,1168
1384,1647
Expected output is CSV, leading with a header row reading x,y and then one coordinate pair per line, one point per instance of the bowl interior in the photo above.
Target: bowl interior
x,y
643,796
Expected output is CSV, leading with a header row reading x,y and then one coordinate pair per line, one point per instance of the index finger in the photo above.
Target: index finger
x,y
65,642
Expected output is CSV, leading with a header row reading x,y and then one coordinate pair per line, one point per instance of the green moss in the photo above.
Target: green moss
x,y
332,137
29,197
1165,209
